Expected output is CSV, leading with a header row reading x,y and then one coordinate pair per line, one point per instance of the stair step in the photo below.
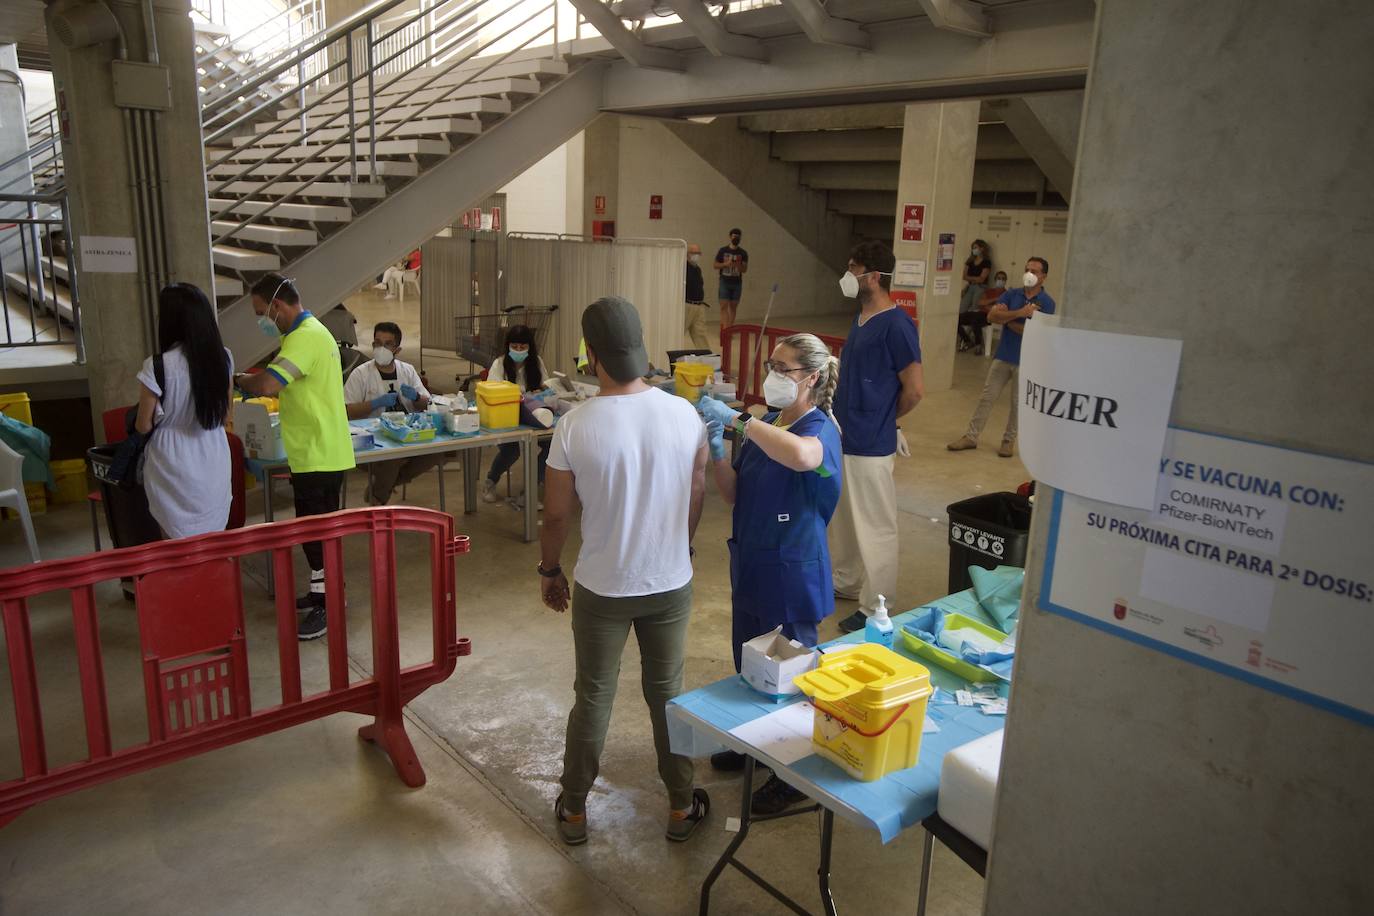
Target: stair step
x,y
224,286
268,234
313,213
436,127
385,168
243,258
456,108
497,87
56,295
540,68
341,150
343,190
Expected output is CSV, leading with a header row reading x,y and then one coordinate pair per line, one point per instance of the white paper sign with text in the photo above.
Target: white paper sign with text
x,y
1253,560
108,254
909,273
1093,409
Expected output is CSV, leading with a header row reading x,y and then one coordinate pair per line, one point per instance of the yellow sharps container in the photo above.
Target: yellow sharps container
x,y
870,705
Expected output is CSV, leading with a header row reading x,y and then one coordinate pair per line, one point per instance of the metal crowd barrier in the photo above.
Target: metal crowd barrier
x,y
194,654
739,346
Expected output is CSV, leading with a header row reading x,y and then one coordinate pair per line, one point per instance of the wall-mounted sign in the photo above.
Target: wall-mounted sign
x,y
496,219
1251,560
108,254
941,287
909,273
913,222
905,300
1094,409
944,252
655,206
599,202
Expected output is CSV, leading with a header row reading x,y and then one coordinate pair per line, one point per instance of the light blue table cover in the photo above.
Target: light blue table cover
x,y
699,723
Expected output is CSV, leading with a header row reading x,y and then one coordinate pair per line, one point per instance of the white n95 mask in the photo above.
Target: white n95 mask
x,y
780,391
849,285
1029,279
382,356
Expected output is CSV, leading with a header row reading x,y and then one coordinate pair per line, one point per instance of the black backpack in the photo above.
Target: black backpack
x,y
124,463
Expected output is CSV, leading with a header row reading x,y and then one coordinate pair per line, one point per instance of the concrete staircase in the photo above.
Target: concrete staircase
x,y
300,194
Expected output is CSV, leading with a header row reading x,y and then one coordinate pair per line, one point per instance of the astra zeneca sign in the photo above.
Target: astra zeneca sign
x,y
1093,410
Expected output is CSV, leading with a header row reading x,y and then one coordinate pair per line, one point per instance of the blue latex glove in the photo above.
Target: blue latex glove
x,y
715,438
715,410
410,394
385,401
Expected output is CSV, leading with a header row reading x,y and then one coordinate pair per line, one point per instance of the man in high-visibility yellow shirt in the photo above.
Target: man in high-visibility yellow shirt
x,y
306,375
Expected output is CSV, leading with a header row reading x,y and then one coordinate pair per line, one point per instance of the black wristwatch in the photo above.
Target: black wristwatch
x,y
549,573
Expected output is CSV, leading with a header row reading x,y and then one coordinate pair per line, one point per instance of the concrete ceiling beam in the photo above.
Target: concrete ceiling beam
x,y
844,176
1049,147
713,35
822,28
626,42
880,145
996,141
959,16
849,117
863,203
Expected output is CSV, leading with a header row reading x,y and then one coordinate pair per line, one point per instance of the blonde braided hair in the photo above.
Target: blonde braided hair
x,y
815,356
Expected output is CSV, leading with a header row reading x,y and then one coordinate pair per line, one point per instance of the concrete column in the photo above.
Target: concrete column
x,y
601,165
119,331
938,145
1133,782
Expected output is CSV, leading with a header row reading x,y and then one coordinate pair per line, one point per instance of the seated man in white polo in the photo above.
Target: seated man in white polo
x,y
384,383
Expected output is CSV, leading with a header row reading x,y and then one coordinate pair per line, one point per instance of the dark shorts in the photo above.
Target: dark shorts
x,y
730,288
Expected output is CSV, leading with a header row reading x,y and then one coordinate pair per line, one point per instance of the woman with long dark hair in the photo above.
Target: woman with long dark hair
x,y
521,365
186,465
977,270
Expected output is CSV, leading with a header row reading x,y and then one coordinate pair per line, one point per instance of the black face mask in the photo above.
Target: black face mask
x,y
734,240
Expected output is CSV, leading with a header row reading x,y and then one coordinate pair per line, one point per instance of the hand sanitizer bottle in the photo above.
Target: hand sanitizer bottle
x,y
879,627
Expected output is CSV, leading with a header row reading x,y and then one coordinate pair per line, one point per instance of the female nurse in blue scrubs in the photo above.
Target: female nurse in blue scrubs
x,y
784,484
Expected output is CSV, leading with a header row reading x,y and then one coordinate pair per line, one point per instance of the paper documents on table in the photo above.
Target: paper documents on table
x,y
785,735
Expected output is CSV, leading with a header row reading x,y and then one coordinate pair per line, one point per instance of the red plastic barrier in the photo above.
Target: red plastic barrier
x,y
741,340
195,658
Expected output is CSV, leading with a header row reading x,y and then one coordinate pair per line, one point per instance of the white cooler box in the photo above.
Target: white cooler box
x,y
968,787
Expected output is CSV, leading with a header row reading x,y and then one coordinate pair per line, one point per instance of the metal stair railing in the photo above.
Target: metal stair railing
x,y
263,44
340,44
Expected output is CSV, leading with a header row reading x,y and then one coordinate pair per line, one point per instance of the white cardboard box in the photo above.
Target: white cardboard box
x,y
769,662
259,430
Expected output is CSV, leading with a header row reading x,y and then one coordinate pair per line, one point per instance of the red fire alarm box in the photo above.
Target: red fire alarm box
x,y
603,229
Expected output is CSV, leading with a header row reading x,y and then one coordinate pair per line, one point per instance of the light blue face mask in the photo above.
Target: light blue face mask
x,y
268,326
518,355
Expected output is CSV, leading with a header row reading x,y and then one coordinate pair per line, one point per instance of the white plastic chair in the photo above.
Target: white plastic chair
x,y
12,493
413,278
989,347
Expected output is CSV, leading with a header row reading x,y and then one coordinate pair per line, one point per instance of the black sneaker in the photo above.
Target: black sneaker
x,y
855,621
313,626
310,601
774,797
727,761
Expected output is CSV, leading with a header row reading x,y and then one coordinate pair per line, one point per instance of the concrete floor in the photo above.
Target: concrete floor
x,y
312,820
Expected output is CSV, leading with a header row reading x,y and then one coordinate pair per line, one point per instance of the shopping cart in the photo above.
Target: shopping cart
x,y
482,335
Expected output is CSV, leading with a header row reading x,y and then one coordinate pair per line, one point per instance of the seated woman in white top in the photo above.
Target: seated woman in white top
x,y
519,364
186,464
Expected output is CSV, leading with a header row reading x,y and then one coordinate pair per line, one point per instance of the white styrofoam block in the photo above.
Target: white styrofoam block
x,y
968,787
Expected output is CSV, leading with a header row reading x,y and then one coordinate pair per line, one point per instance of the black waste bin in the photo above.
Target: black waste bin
x,y
987,531
126,505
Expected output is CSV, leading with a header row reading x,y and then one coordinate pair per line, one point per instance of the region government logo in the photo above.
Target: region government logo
x,y
1208,637
991,544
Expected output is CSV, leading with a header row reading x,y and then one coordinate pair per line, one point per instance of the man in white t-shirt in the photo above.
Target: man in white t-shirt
x,y
381,384
635,458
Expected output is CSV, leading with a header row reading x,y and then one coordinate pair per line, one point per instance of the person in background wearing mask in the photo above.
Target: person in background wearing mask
x,y
696,300
784,484
733,263
385,383
976,319
306,376
1011,311
976,271
634,457
881,380
522,366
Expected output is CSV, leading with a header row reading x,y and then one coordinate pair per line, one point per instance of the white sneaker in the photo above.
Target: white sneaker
x,y
489,492
520,503
379,286
388,296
